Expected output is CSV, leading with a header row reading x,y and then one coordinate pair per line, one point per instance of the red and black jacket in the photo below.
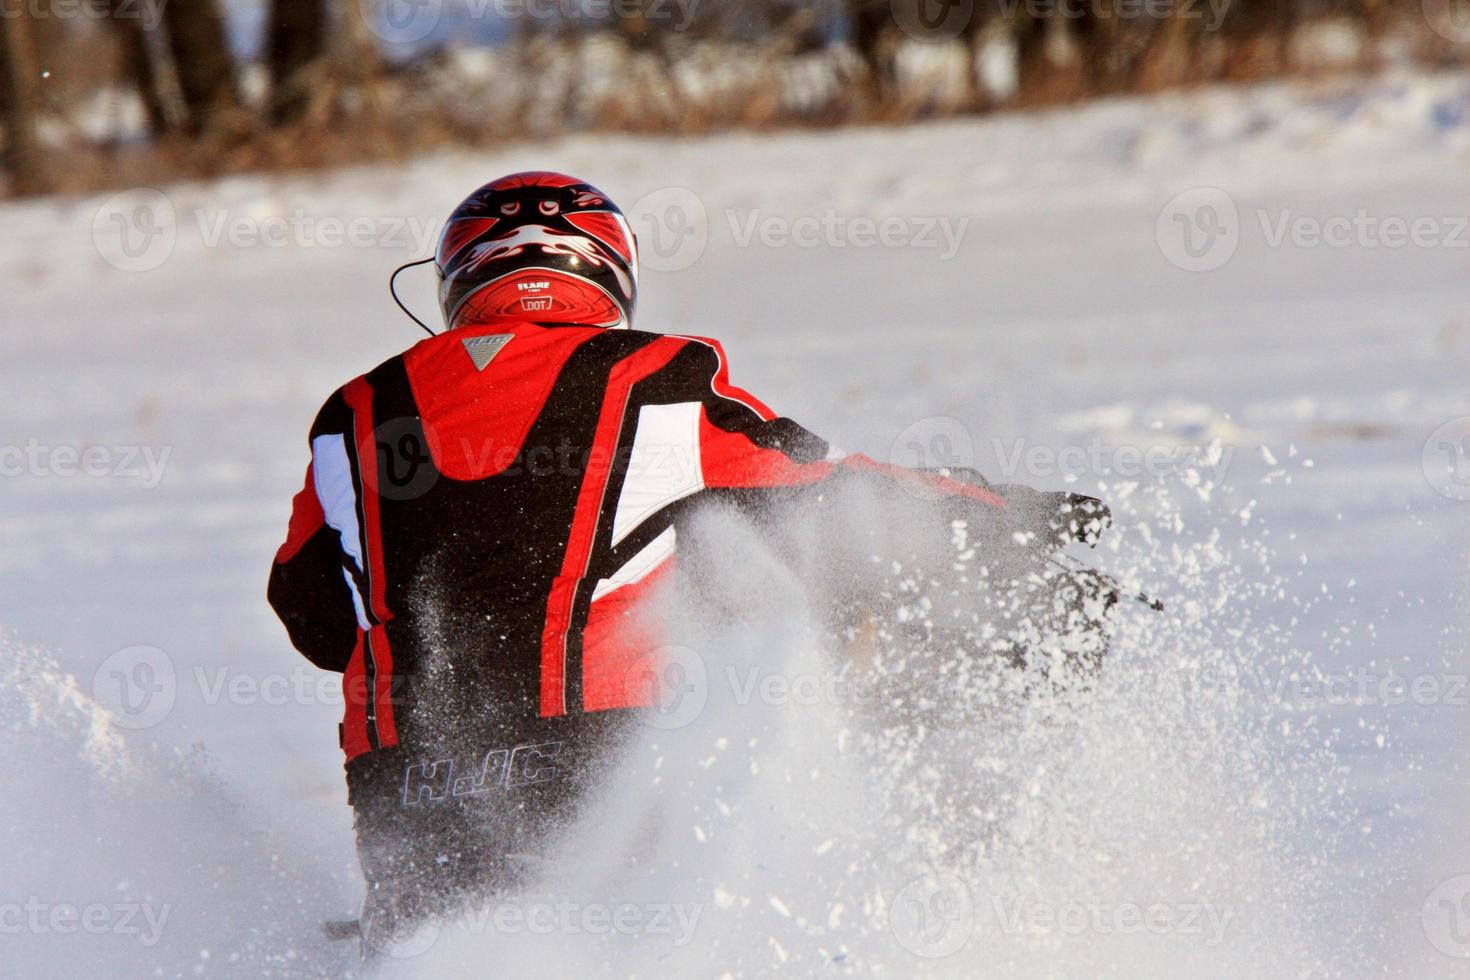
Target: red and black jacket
x,y
496,503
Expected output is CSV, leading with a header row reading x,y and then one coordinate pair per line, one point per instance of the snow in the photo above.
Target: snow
x,y
1242,750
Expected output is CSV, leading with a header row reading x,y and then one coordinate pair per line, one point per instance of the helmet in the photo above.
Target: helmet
x,y
538,246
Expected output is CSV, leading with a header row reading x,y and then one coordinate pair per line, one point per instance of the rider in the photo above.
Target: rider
x,y
486,515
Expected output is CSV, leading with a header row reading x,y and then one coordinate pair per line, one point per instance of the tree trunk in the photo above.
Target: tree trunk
x,y
871,28
18,96
1171,58
296,40
145,66
640,33
202,59
1256,38
356,58
352,43
1050,61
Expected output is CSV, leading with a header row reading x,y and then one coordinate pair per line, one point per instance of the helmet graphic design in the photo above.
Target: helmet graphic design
x,y
541,247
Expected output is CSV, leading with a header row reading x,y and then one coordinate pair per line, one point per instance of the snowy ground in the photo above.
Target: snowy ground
x,y
1061,327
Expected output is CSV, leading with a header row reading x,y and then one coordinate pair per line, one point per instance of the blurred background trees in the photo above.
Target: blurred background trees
x,y
105,92
295,52
18,103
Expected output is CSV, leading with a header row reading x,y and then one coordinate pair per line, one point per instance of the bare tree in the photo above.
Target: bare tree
x,y
146,64
1172,55
353,44
296,43
1256,35
874,36
203,62
1051,66
18,96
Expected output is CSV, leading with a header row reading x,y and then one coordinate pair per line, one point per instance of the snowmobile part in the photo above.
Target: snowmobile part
x,y
1157,605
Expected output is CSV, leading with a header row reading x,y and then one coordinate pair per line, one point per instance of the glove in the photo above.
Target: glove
x,y
1053,519
1083,519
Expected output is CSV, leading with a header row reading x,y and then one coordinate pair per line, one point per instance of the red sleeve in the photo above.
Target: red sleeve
x,y
307,589
743,444
306,519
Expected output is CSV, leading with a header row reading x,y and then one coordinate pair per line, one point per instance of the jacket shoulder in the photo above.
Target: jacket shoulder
x,y
387,376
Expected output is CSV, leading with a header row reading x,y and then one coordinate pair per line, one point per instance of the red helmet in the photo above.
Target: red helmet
x,y
538,246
